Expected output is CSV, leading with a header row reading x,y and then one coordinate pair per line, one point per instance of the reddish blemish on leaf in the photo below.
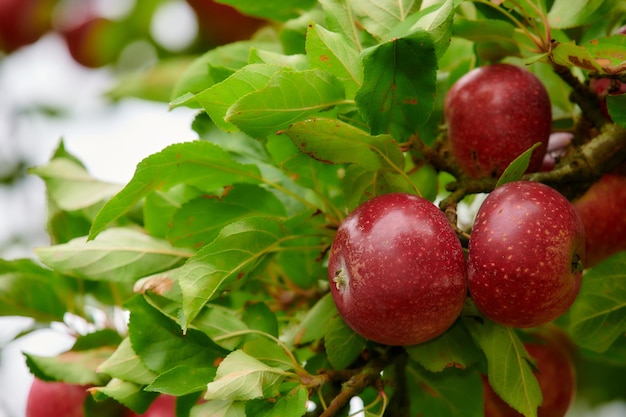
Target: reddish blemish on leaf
x,y
324,58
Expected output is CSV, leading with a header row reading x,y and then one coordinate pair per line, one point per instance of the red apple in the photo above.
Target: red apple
x,y
220,24
163,406
23,22
90,41
555,374
526,254
495,113
58,399
601,209
397,270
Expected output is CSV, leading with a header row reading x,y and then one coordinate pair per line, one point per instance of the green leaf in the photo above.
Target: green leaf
x,y
198,163
569,54
598,316
30,290
217,321
360,185
74,367
340,18
490,32
609,53
508,365
292,403
161,344
379,17
333,141
329,51
126,393
159,208
71,187
616,105
258,316
571,13
241,377
453,349
281,10
315,323
450,393
217,99
517,167
238,248
199,221
288,97
117,255
182,380
398,91
220,408
125,364
343,345
269,352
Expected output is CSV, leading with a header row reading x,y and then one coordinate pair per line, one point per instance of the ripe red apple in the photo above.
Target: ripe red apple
x,y
23,22
91,41
220,24
57,399
397,270
495,113
601,209
163,406
526,254
556,375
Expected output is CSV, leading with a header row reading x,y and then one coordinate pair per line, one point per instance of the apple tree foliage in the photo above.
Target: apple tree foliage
x,y
210,263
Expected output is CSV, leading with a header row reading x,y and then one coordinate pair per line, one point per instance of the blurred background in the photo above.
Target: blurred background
x,y
84,72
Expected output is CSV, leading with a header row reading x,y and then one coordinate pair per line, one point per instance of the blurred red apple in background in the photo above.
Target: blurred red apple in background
x,y
220,24
23,22
55,399
163,406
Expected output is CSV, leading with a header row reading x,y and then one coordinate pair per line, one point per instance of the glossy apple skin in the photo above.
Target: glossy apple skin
x,y
163,406
494,114
57,399
220,24
555,374
601,209
397,271
23,22
526,255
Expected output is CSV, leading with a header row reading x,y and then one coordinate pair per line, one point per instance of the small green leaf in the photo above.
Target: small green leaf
x,y
598,316
360,185
343,345
125,364
379,17
117,255
238,248
569,54
566,14
517,167
616,105
292,403
241,377
508,365
198,163
218,321
220,408
258,316
609,53
399,84
288,97
281,10
315,323
182,380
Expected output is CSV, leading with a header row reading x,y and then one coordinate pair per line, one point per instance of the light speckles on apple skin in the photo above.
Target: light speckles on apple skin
x,y
405,269
524,242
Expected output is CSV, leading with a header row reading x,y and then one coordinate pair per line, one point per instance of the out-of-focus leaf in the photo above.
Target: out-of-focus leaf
x,y
117,255
182,380
288,97
316,321
572,13
331,52
609,53
453,349
598,316
71,186
125,364
72,367
198,163
497,34
508,365
161,344
616,105
281,10
399,83
238,248
343,345
30,290
126,393
241,377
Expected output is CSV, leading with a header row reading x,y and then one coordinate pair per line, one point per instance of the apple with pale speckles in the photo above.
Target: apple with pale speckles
x,y
494,114
526,255
397,270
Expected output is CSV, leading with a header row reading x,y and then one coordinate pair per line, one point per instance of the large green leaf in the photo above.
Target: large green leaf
x,y
331,52
292,403
598,316
125,364
343,345
241,377
117,255
315,323
183,380
281,10
399,84
74,367
616,105
198,163
571,13
508,365
238,248
379,17
288,97
220,408
30,290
